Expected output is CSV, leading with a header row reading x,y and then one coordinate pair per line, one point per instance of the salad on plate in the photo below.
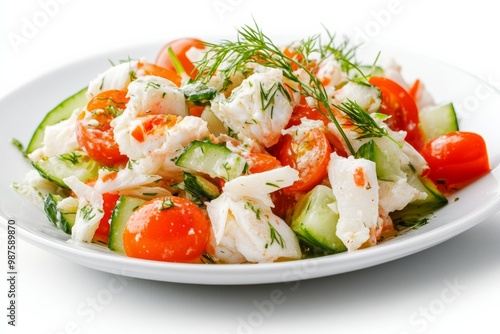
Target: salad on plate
x,y
245,151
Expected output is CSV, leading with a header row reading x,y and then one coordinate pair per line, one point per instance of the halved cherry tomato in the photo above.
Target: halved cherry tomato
x,y
102,232
94,132
456,158
261,162
179,48
302,111
397,103
309,155
171,229
159,71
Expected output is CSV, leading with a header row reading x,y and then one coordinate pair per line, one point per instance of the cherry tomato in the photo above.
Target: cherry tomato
x,y
156,70
171,229
102,233
456,158
261,162
302,111
397,103
94,132
179,48
309,155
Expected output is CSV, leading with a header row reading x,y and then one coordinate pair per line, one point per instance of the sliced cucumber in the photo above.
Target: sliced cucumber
x,y
387,169
59,113
76,163
438,120
417,210
124,208
314,223
212,159
63,220
199,188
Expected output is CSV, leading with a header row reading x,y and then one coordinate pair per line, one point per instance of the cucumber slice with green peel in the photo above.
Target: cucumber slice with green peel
x,y
199,188
437,121
315,223
124,208
387,169
212,159
76,163
62,220
416,212
59,113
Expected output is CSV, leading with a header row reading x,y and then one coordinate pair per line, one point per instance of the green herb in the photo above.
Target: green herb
x,y
175,61
88,213
275,236
410,223
154,85
113,111
363,122
255,210
199,93
253,46
72,157
166,204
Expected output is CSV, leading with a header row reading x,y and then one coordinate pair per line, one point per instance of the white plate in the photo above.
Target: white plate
x,y
477,104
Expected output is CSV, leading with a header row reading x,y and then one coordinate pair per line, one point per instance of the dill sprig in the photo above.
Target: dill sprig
x,y
253,46
363,122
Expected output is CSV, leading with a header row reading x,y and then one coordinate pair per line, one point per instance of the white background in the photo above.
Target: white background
x,y
451,287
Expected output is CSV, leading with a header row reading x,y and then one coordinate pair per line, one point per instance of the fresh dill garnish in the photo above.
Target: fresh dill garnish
x,y
275,236
88,213
363,122
253,46
410,223
166,204
72,157
255,210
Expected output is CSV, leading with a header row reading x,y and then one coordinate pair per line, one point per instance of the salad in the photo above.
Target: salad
x,y
246,151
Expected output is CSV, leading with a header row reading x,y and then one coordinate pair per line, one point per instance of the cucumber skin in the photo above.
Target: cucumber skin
x,y
209,158
124,208
85,169
63,221
437,121
61,112
315,224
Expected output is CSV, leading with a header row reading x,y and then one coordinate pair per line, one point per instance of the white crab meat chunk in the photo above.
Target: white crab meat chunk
x,y
157,148
330,73
259,108
355,186
115,78
397,195
155,95
366,96
244,226
90,209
